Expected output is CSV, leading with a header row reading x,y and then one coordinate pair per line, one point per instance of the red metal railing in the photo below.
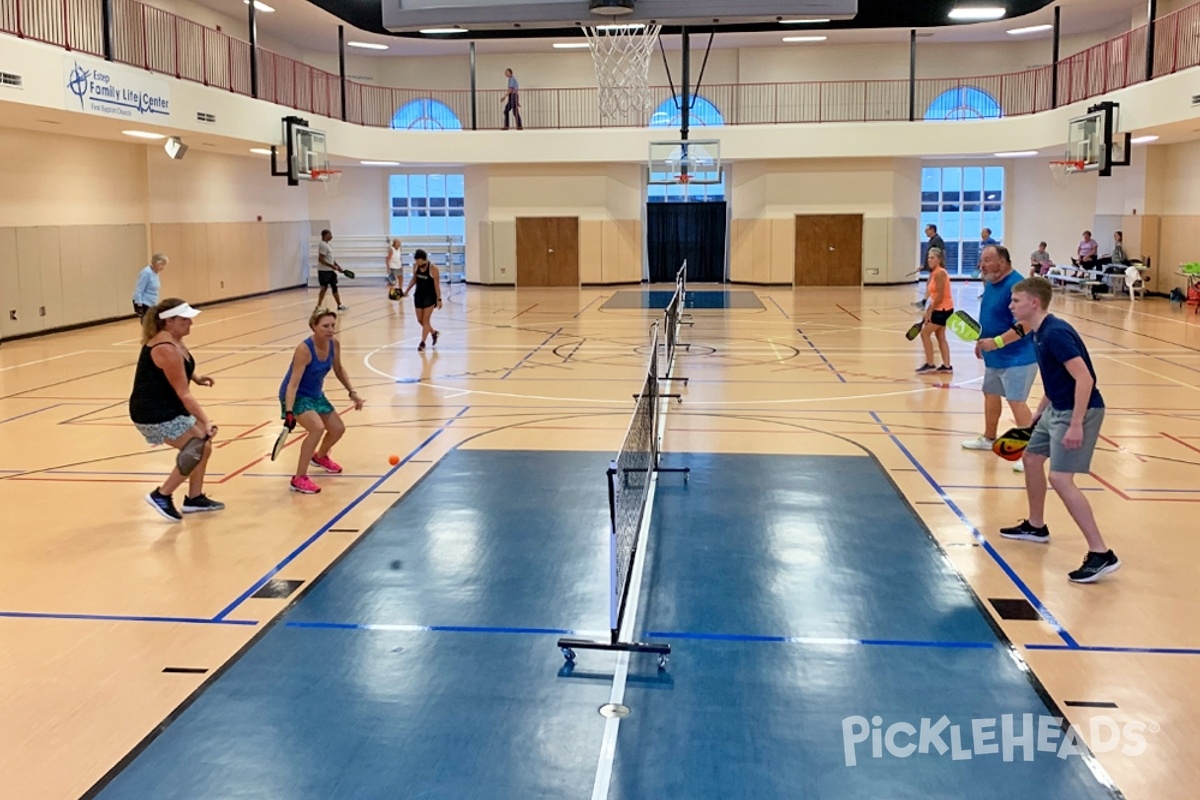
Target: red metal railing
x,y
159,41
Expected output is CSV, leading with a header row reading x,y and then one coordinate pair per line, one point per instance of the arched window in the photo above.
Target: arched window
x,y
701,114
426,114
965,102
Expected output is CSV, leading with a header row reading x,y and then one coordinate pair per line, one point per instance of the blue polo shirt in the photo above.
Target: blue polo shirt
x,y
995,319
1057,343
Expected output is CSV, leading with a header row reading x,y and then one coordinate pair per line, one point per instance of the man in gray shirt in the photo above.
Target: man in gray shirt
x,y
327,270
512,100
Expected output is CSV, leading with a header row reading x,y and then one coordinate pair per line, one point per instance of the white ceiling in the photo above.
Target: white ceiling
x,y
303,25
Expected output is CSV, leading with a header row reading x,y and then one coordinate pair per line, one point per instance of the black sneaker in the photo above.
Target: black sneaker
x,y
945,368
201,502
163,504
1094,566
1027,532
924,368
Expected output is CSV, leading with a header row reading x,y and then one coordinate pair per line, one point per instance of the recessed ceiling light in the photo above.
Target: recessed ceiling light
x,y
1016,154
1144,139
976,13
805,38
571,45
144,135
1030,29
261,151
435,31
380,163
802,21
259,6
367,45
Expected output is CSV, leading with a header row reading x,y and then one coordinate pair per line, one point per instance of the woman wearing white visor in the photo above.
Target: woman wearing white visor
x,y
165,412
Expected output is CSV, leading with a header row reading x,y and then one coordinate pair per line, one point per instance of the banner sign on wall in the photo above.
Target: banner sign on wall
x,y
111,90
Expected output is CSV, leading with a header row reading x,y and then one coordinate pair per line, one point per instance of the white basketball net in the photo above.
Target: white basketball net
x,y
621,55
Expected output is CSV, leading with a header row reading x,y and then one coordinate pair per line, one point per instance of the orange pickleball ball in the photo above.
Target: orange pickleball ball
x,y
393,460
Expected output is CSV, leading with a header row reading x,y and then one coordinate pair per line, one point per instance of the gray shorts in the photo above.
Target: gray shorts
x,y
1048,436
1011,383
160,432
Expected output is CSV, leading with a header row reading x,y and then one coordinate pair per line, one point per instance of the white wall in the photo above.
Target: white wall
x,y
215,187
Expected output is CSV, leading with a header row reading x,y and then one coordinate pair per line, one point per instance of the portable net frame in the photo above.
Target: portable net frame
x,y
621,56
629,478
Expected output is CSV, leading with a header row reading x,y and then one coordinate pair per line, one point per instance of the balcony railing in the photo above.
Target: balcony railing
x,y
159,41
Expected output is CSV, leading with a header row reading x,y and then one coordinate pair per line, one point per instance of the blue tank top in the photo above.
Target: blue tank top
x,y
312,383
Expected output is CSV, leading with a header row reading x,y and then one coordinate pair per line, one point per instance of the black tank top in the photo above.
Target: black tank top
x,y
154,398
426,292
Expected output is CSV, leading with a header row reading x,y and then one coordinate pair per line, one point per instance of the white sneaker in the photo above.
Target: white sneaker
x,y
1018,466
978,443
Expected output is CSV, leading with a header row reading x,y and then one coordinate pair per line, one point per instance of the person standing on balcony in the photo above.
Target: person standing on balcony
x,y
512,100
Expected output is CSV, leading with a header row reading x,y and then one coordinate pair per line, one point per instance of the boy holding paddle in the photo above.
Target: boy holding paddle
x,y
1066,428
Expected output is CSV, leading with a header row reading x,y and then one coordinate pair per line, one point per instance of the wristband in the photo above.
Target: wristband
x,y
999,340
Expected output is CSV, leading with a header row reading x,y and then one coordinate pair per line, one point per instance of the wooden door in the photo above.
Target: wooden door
x,y
829,249
547,251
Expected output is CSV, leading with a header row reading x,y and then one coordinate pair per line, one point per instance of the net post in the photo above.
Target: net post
x,y
614,599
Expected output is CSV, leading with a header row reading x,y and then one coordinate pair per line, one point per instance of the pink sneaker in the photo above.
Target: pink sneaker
x,y
326,463
304,485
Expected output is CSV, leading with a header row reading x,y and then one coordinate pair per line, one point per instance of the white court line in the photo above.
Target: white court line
x,y
612,725
1155,374
262,312
48,358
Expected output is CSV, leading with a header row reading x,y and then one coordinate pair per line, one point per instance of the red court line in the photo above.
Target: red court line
x,y
1124,496
1177,440
1121,448
242,469
244,433
851,313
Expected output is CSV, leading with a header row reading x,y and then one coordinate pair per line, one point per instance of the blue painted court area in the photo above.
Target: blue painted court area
x,y
423,665
700,300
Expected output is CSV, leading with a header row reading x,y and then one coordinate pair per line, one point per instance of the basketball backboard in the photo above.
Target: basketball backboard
x,y
696,161
412,15
1086,141
308,151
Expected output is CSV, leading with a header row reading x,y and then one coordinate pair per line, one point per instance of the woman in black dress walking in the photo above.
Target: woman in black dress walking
x,y
428,294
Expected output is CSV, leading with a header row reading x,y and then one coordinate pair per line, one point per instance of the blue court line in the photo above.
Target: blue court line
x,y
124,618
820,355
811,640
325,528
355,626
1009,571
30,413
530,354
1169,651
781,311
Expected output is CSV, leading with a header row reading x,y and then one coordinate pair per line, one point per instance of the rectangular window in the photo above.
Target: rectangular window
x,y
427,205
961,202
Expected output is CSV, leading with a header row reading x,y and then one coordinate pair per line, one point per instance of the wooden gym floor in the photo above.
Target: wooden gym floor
x,y
112,619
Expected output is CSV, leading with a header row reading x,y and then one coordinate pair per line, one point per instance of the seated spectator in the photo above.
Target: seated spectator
x,y
1086,252
1118,252
1040,261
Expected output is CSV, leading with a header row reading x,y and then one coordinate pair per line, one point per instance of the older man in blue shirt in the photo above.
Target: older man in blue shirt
x,y
145,294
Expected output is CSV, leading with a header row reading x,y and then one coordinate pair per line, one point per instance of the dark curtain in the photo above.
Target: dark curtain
x,y
695,231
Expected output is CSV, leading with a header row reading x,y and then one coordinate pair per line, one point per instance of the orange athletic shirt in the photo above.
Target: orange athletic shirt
x,y
947,302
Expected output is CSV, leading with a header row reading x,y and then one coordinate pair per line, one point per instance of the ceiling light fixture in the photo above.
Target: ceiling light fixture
x,y
263,7
260,151
803,21
805,38
1144,139
437,31
1030,29
571,45
631,26
977,13
144,135
367,45
380,163
1016,154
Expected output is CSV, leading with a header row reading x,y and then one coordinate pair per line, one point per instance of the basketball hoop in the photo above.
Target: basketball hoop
x,y
683,178
1061,169
621,55
330,177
